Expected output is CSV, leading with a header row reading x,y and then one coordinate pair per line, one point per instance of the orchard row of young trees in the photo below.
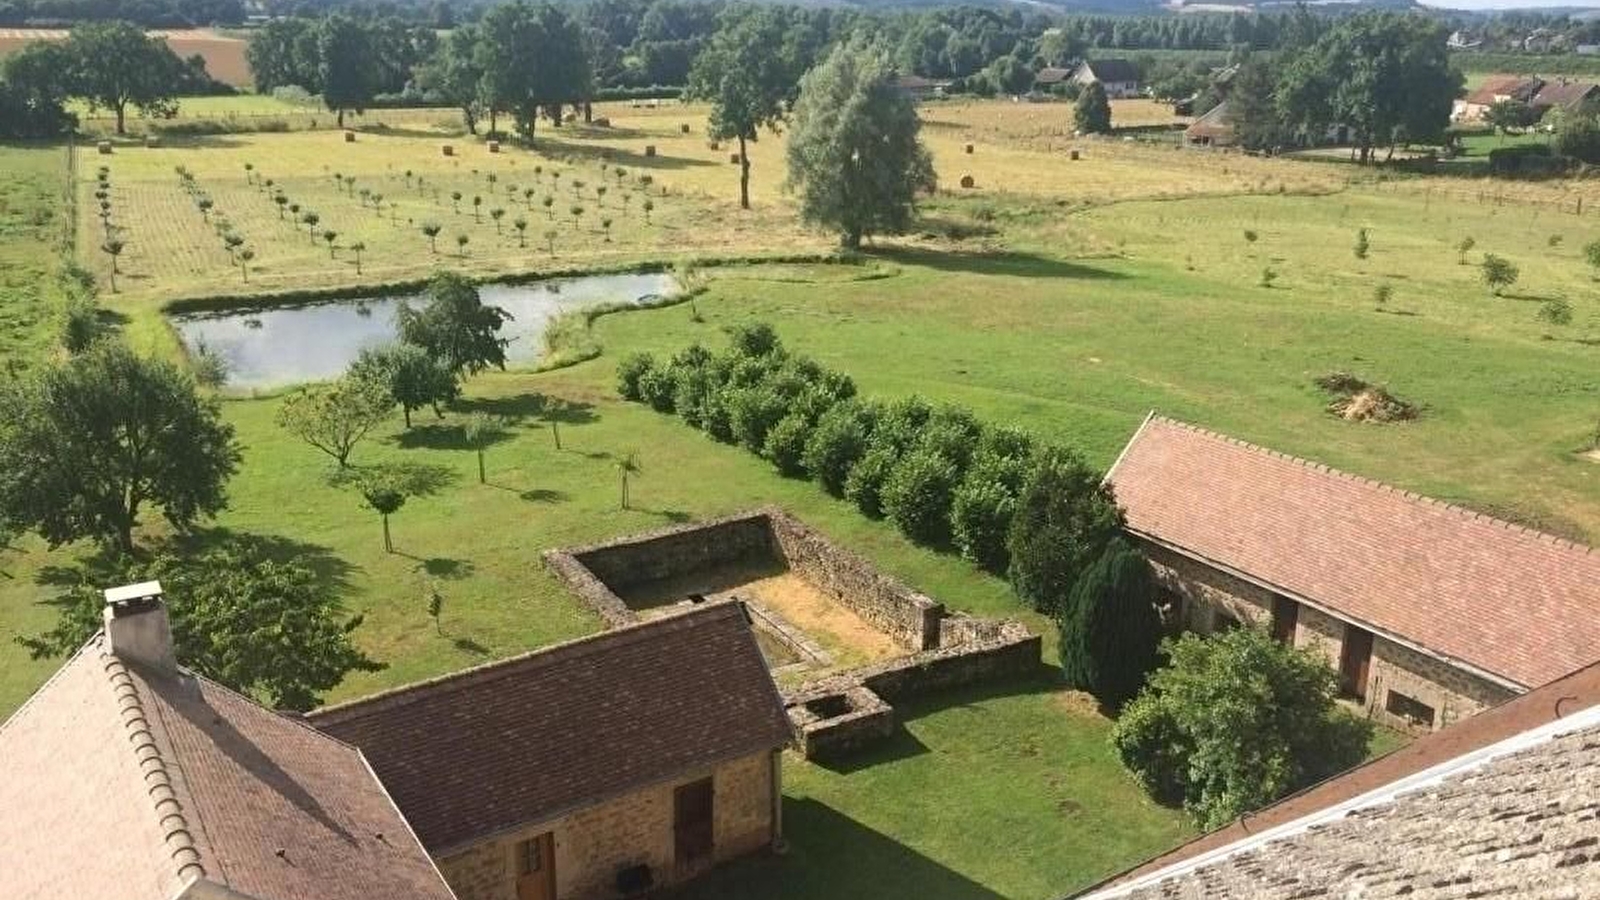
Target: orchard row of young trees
x,y
108,65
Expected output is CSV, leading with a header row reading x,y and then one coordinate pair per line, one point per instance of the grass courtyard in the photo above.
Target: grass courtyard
x,y
1067,297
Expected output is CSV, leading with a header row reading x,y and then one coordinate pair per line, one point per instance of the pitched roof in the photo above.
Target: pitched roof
x,y
1491,595
527,739
1496,87
1563,697
1216,123
130,783
1565,94
1051,75
1113,69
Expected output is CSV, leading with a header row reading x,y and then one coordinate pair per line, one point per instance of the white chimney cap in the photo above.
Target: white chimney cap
x,y
133,593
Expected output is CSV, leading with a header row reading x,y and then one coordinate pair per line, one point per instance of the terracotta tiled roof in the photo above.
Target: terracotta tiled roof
x,y
1215,124
126,783
1508,600
1495,87
1566,94
1563,697
526,739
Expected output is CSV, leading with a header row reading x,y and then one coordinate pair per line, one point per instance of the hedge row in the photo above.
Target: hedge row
x,y
943,477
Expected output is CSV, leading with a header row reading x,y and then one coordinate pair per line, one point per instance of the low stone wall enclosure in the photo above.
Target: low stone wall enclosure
x,y
844,710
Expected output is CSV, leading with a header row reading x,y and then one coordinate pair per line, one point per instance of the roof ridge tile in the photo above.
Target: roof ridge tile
x,y
170,817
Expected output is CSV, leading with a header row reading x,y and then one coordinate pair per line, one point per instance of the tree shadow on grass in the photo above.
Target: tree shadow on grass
x,y
412,478
104,568
832,855
1023,265
445,437
446,567
675,516
545,495
468,645
616,156
532,405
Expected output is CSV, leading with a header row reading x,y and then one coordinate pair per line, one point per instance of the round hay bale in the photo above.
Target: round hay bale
x,y
967,181
602,122
734,158
152,140
714,145
494,146
349,136
103,148
448,150
685,127
1074,156
968,149
649,149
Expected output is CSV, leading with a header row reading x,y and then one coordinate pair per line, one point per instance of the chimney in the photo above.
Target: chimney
x,y
137,628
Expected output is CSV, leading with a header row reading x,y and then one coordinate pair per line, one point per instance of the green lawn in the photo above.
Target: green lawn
x,y
32,227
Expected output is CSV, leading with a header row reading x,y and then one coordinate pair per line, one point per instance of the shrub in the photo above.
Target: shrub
x,y
755,339
81,324
656,387
1065,517
1362,245
1110,630
1007,442
629,372
917,494
752,411
837,441
953,432
900,425
980,516
1555,312
1234,722
690,392
864,485
1382,294
1498,273
786,444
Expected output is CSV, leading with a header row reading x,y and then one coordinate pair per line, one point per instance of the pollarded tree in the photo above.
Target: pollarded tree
x,y
628,466
114,65
746,81
385,497
1110,630
1591,255
1234,722
269,628
86,444
1065,518
414,378
1093,110
480,431
335,417
456,327
854,155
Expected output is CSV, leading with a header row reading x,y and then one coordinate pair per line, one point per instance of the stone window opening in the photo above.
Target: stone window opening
x,y
1409,708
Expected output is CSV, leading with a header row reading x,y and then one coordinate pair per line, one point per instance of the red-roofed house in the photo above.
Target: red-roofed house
x,y
1430,612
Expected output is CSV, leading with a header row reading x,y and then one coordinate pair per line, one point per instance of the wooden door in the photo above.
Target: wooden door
x,y
1355,661
1285,616
536,868
692,821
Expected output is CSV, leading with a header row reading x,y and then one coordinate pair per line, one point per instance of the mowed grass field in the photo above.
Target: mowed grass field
x,y
1068,297
224,56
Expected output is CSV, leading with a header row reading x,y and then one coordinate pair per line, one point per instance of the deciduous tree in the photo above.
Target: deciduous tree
x,y
114,65
456,327
87,444
746,81
1093,110
335,417
1065,518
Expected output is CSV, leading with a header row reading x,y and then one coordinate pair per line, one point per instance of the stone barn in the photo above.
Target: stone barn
x,y
609,766
1429,612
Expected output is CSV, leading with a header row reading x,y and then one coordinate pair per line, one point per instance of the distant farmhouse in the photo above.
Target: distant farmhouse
x,y
1429,612
1562,94
1119,77
916,87
1051,77
608,766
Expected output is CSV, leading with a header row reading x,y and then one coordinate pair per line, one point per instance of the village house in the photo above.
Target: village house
x,y
603,767
1429,612
1499,806
634,759
1565,95
915,87
1051,77
1119,77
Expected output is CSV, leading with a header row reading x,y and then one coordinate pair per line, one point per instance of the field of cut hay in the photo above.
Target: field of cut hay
x,y
224,56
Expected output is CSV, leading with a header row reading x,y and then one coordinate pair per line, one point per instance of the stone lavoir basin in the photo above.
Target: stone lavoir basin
x,y
272,347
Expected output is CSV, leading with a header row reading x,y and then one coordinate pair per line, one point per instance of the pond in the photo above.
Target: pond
x,y
273,347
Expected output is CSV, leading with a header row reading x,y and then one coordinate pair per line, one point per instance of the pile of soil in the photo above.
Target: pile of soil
x,y
1358,401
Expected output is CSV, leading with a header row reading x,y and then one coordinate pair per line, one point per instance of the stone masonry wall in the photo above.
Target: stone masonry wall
x,y
1453,693
591,845
910,618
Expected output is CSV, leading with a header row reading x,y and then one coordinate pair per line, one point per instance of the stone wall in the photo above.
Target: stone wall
x,y
909,617
595,573
1007,650
592,845
1452,692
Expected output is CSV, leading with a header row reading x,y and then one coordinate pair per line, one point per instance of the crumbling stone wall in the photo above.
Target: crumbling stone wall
x,y
910,618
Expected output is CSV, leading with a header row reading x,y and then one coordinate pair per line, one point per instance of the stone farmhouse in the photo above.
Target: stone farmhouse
x,y
1502,805
1429,612
607,766
1560,93
1119,77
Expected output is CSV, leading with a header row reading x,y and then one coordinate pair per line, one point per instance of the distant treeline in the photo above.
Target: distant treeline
x,y
148,13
